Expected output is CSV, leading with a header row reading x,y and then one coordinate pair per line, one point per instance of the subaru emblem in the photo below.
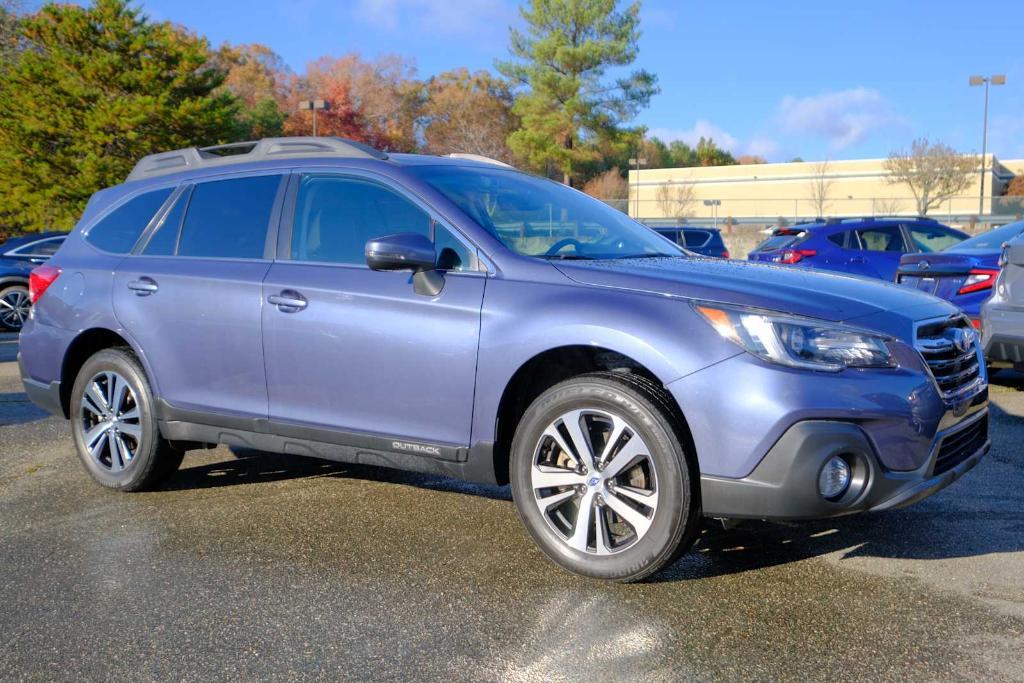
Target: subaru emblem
x,y
924,265
961,339
593,481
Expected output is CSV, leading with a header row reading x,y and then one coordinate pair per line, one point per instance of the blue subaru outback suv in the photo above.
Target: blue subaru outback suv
x,y
455,316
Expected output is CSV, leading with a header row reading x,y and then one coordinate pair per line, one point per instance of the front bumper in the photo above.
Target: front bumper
x,y
46,395
785,484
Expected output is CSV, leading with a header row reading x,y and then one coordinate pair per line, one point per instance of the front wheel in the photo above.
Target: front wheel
x,y
114,426
601,479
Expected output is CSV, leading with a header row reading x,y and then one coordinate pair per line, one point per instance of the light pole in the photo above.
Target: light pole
x,y
997,79
714,204
314,105
637,163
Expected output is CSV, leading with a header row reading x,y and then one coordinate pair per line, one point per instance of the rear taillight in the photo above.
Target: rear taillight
x,y
725,253
791,256
979,279
976,323
40,279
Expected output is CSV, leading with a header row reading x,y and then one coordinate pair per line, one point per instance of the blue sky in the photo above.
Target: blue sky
x,y
785,78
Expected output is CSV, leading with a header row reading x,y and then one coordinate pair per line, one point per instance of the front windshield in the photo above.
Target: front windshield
x,y
538,217
992,240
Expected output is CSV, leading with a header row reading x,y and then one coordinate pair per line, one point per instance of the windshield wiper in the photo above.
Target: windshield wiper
x,y
566,257
649,256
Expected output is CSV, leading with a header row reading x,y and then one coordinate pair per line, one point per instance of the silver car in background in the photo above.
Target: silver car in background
x,y
1002,316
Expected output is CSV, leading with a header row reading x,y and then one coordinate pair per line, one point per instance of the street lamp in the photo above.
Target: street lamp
x,y
637,163
714,204
998,79
314,105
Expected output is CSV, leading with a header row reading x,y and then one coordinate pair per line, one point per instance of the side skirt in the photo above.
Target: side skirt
x,y
474,464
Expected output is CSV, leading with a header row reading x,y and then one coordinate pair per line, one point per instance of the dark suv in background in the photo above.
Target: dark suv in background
x,y
317,297
18,256
859,246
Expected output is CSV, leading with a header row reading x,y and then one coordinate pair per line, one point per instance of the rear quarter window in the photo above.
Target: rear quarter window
x,y
119,230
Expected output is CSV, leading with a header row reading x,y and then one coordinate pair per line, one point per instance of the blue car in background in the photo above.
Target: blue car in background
x,y
859,246
18,256
704,241
963,273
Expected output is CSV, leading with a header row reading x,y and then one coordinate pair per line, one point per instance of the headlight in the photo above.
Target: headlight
x,y
798,342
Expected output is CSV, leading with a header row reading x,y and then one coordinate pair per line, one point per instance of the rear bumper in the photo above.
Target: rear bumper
x,y
46,395
785,484
1003,334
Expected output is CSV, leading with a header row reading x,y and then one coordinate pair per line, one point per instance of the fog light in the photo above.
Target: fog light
x,y
834,478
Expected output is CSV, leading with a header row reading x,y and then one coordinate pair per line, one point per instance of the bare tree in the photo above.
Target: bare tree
x,y
676,200
819,186
887,206
933,172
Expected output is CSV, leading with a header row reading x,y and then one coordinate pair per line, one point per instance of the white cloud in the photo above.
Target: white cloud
x,y
763,147
842,118
757,146
701,129
443,16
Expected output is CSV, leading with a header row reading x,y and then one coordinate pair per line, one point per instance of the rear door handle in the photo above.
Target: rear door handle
x,y
144,286
288,301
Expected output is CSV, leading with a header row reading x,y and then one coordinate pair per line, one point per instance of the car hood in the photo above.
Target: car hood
x,y
814,294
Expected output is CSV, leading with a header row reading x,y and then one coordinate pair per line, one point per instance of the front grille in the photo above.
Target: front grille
x,y
950,347
959,446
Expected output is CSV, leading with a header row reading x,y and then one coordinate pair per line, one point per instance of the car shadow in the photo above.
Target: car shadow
x,y
980,514
257,467
16,409
8,347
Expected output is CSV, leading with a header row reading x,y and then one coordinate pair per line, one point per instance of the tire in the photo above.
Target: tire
x,y
654,484
127,452
14,307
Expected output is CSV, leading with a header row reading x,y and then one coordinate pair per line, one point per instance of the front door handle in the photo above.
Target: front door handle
x,y
144,286
288,301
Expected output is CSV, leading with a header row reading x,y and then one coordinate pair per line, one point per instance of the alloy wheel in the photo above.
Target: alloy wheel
x,y
110,421
14,308
595,481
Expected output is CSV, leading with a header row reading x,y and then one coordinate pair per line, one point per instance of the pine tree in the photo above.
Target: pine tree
x,y
569,105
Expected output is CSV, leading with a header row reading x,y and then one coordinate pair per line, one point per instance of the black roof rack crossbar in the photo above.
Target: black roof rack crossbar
x,y
179,160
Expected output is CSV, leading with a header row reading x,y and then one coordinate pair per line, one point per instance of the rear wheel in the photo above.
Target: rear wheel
x,y
602,480
14,307
115,430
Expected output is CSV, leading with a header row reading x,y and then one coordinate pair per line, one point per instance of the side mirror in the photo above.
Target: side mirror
x,y
407,251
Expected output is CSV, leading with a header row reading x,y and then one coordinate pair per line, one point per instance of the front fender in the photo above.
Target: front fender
x,y
523,319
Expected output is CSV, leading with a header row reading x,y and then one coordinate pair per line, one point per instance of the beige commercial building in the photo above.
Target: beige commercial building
x,y
804,190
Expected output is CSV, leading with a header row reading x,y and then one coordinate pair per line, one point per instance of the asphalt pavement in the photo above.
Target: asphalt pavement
x,y
255,566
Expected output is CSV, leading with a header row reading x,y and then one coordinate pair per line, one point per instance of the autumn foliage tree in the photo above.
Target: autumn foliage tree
x,y
376,102
90,91
468,112
260,79
609,186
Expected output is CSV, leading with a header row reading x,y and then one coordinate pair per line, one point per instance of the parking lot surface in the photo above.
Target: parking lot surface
x,y
250,565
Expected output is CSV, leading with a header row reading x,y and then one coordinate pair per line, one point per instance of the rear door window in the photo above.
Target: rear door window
x,y
119,230
847,239
885,238
229,218
164,242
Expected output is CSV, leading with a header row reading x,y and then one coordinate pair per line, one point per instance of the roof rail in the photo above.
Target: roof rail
x,y
900,218
478,157
179,160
